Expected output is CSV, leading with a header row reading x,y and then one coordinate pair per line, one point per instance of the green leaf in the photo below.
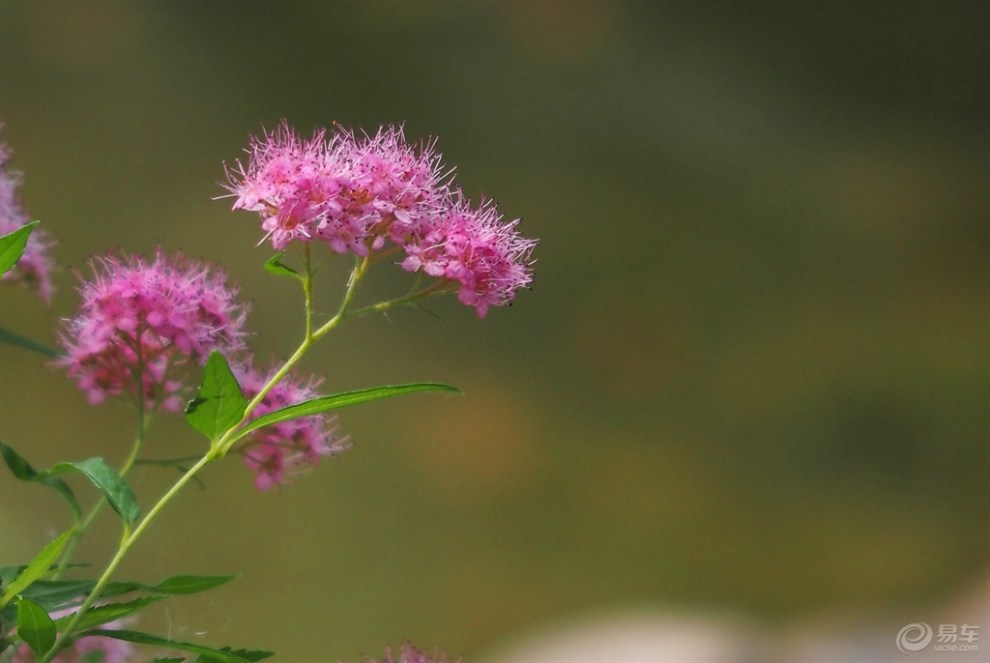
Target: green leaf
x,y
53,594
169,659
216,655
189,584
219,403
38,566
12,246
117,588
7,336
276,266
23,471
34,626
173,585
337,401
105,478
247,654
107,612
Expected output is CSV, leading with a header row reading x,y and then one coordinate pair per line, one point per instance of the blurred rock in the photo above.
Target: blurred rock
x,y
658,637
638,638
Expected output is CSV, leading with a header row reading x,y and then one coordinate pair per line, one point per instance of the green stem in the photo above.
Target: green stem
x,y
125,545
360,267
83,525
438,288
307,284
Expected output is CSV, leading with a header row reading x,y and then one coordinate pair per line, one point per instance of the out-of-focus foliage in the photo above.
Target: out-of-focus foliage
x,y
753,373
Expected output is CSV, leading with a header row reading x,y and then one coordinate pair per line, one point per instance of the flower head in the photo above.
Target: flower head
x,y
149,320
363,194
409,654
279,452
391,189
352,192
36,264
474,247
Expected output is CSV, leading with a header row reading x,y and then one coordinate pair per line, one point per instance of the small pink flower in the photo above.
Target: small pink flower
x,y
409,654
279,452
475,248
150,318
36,264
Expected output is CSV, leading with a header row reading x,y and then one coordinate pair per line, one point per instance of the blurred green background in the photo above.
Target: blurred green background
x,y
753,374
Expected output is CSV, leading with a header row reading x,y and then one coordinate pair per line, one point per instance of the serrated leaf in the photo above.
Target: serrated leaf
x,y
172,586
23,471
219,403
12,246
247,654
337,401
34,626
38,566
190,584
7,336
107,612
105,478
276,266
8,573
54,594
156,641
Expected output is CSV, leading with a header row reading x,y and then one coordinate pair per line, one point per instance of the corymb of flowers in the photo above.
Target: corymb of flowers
x,y
168,334
34,268
379,195
149,320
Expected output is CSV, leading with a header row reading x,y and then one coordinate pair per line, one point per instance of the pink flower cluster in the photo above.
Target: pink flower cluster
x,y
151,319
279,452
409,654
475,248
155,319
359,193
35,266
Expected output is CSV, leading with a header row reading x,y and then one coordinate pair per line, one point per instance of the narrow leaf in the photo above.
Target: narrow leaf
x,y
117,588
189,584
219,403
169,659
105,478
276,266
34,626
8,573
7,336
247,654
53,594
108,612
23,471
173,585
12,246
38,566
337,401
156,641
